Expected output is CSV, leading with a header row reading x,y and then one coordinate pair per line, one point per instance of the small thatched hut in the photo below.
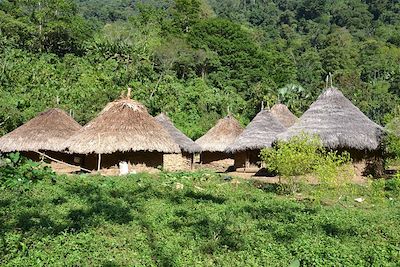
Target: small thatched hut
x,y
260,133
123,132
184,160
214,143
43,135
284,115
343,127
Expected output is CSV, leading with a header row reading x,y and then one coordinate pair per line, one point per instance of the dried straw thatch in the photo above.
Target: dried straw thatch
x,y
284,115
219,137
47,131
185,143
123,125
260,133
338,123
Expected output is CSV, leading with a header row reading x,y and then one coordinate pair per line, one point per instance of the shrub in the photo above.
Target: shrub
x,y
333,169
16,170
293,158
392,141
303,155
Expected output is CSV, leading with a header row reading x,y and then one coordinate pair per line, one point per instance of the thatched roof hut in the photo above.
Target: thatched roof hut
x,y
260,133
47,131
219,137
338,123
284,115
185,143
122,126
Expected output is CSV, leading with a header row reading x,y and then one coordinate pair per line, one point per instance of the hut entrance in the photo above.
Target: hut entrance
x,y
248,161
219,161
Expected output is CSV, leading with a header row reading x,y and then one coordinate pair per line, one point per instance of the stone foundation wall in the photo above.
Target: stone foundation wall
x,y
217,161
177,162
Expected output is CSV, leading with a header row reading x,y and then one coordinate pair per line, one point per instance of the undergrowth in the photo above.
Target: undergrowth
x,y
195,219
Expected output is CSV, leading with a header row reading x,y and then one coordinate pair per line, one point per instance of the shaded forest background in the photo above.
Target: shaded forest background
x,y
195,58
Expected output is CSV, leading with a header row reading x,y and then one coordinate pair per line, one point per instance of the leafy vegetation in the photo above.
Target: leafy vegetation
x,y
148,220
195,58
303,155
19,172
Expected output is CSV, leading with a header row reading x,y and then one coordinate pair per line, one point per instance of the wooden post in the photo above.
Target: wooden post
x,y
327,81
246,162
99,157
99,163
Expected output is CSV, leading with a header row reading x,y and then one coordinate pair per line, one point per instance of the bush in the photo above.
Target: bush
x,y
303,155
392,141
16,170
293,158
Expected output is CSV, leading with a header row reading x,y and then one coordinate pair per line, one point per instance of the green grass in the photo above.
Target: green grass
x,y
143,220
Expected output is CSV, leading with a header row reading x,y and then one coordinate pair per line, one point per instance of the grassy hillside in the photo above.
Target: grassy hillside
x,y
197,219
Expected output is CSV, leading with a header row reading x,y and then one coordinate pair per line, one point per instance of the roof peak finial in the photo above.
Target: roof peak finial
x,y
330,79
128,94
262,105
326,81
58,100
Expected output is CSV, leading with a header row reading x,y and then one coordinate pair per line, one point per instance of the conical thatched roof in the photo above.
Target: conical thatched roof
x,y
260,133
338,123
123,125
47,131
219,137
185,143
284,115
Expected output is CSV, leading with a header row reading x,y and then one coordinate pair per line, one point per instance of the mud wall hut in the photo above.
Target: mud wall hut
x,y
214,143
260,133
185,159
123,132
41,139
343,127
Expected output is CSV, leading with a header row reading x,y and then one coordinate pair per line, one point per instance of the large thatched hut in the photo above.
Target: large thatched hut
x,y
343,127
43,135
284,115
184,160
214,143
123,132
260,133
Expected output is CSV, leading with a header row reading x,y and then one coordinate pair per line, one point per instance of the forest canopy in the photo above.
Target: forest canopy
x,y
195,59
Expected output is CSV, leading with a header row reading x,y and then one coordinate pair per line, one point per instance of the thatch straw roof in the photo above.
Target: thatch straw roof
x,y
338,123
260,133
284,115
219,137
185,143
47,131
123,125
